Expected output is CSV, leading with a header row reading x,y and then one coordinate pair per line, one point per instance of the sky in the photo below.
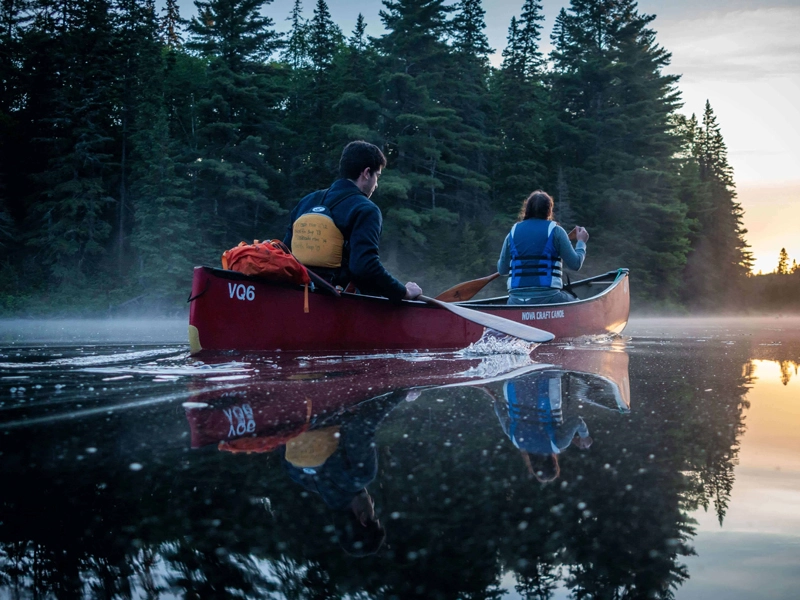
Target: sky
x,y
742,56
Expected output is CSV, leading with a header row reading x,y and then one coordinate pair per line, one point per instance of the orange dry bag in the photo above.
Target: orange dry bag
x,y
267,259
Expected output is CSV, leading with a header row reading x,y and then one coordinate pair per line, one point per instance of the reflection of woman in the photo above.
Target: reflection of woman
x,y
532,417
534,252
337,461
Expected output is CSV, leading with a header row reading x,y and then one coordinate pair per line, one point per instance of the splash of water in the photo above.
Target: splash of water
x,y
492,343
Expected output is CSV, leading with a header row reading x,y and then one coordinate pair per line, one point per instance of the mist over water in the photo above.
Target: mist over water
x,y
161,330
157,330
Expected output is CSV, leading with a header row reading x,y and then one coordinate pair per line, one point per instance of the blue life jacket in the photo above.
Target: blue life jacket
x,y
535,261
534,412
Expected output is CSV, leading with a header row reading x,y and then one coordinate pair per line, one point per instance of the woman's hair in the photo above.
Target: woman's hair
x,y
544,467
539,205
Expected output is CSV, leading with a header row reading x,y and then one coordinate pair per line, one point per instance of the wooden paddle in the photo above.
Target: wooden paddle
x,y
523,332
466,290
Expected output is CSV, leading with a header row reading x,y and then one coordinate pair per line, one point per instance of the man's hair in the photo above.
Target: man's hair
x,y
539,205
357,539
360,155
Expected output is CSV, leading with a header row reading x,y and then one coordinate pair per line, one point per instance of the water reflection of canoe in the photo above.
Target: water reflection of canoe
x,y
231,311
279,404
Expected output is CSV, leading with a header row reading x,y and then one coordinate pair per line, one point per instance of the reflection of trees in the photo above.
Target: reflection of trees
x,y
712,437
214,573
537,580
462,516
28,569
787,366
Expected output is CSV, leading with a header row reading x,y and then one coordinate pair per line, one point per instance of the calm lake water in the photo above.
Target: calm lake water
x,y
663,463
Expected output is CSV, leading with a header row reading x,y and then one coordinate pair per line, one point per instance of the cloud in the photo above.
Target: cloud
x,y
745,44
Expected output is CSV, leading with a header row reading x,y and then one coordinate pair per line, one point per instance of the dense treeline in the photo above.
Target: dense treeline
x,y
136,144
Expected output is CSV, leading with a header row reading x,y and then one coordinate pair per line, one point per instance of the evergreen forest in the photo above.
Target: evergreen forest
x,y
137,143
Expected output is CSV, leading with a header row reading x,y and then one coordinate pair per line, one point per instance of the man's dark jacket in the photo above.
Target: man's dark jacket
x,y
360,221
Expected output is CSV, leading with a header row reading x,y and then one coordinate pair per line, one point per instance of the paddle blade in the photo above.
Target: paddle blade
x,y
465,291
523,332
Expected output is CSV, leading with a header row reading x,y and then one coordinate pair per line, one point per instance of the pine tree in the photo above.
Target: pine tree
x,y
520,95
356,111
420,129
171,25
14,26
783,263
314,89
357,40
720,259
467,93
75,207
295,52
159,193
530,56
324,37
236,120
614,141
14,17
467,27
136,41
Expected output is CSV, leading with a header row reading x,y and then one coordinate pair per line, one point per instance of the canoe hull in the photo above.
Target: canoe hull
x,y
230,311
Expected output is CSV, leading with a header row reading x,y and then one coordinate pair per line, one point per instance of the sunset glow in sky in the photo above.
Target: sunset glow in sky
x,y
743,56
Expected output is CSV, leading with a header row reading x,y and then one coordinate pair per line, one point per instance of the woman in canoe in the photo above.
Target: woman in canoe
x,y
535,251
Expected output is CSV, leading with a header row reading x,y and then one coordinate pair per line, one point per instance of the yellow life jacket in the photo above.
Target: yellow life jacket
x,y
316,240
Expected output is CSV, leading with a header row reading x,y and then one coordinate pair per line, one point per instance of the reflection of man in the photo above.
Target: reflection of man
x,y
337,461
532,417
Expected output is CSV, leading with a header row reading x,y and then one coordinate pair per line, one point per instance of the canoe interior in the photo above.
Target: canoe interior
x,y
584,289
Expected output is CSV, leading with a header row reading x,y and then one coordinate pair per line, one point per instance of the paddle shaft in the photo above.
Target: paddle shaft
x,y
524,332
465,291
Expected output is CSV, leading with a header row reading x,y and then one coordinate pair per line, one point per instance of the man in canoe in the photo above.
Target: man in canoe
x,y
337,231
535,251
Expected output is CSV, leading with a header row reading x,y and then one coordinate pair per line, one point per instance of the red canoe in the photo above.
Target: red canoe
x,y
231,311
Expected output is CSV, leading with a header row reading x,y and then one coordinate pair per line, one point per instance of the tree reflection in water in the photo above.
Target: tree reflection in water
x,y
463,518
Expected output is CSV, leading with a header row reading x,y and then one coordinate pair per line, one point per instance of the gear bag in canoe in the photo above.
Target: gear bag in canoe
x,y
270,259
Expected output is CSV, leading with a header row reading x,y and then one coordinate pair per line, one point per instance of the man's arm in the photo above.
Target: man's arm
x,y
369,274
573,258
